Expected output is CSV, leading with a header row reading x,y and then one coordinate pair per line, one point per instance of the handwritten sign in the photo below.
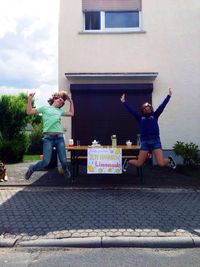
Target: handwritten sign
x,y
104,160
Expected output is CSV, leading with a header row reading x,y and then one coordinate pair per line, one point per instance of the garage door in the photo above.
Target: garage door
x,y
100,114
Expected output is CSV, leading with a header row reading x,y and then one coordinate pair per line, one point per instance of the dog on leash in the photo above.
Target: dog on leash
x,y
3,174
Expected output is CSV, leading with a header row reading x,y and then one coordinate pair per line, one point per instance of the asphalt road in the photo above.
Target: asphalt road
x,y
110,257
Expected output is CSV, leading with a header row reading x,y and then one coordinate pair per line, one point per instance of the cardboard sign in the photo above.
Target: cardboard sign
x,y
104,160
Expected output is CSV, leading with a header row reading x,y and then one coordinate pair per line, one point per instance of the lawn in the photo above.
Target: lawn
x,y
31,158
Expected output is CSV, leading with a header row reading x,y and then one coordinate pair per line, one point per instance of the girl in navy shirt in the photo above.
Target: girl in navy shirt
x,y
149,133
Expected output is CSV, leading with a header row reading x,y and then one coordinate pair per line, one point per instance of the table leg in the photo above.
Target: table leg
x,y
73,159
140,174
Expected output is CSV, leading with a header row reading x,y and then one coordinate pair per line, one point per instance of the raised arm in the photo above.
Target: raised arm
x,y
162,106
70,112
29,109
136,114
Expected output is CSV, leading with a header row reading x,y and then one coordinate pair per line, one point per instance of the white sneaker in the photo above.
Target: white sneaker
x,y
172,163
125,165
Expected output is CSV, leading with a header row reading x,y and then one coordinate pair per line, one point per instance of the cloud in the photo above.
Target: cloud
x,y
28,47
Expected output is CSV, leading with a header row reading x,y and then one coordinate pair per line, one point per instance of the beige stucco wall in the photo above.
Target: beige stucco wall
x,y
169,45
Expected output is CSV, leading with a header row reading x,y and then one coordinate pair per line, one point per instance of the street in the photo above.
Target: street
x,y
110,257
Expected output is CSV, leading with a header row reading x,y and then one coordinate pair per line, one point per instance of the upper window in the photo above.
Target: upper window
x,y
122,19
112,15
112,20
92,21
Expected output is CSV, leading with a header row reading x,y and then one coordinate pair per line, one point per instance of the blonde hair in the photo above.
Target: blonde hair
x,y
63,94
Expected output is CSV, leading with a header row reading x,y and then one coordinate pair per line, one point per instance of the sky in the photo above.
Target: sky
x,y
29,47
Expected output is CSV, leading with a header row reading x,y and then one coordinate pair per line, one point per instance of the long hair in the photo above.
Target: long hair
x,y
62,94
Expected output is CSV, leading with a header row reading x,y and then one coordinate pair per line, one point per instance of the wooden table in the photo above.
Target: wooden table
x,y
80,153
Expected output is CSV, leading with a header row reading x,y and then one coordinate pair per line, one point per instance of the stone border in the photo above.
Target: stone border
x,y
106,242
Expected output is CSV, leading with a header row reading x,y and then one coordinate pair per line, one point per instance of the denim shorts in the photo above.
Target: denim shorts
x,y
150,145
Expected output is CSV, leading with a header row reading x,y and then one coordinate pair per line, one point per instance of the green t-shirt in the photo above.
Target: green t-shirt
x,y
51,118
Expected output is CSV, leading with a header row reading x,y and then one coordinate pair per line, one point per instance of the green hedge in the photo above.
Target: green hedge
x,y
35,140
12,151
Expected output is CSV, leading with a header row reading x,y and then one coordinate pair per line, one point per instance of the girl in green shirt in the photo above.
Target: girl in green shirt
x,y
52,130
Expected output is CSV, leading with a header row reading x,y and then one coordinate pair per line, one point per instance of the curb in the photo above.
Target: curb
x,y
91,242
150,242
7,242
92,188
107,242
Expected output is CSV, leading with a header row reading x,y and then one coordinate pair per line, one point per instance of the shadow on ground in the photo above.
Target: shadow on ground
x,y
153,176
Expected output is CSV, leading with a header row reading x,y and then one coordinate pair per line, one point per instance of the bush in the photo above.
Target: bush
x,y
13,116
188,151
14,141
35,140
12,151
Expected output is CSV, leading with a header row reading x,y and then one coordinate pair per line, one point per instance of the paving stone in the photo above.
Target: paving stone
x,y
60,212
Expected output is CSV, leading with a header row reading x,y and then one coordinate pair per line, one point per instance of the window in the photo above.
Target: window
x,y
112,20
92,21
112,15
126,19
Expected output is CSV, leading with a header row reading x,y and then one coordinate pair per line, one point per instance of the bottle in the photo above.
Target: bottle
x,y
71,142
138,140
114,140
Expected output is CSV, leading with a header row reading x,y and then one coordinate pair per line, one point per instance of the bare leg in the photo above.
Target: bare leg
x,y
161,161
141,159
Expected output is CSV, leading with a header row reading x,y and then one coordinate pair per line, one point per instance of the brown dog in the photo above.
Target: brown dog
x,y
3,174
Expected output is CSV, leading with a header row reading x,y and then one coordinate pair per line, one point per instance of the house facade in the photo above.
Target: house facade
x,y
137,47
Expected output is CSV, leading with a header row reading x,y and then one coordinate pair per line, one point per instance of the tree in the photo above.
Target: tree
x,y
13,138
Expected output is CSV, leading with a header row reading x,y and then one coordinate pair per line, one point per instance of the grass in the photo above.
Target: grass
x,y
31,158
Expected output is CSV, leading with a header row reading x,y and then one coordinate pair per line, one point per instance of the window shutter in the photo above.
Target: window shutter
x,y
111,5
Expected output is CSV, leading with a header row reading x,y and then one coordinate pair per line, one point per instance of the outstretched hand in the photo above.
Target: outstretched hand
x,y
31,95
122,98
170,91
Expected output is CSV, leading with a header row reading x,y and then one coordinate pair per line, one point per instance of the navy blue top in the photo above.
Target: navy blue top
x,y
149,128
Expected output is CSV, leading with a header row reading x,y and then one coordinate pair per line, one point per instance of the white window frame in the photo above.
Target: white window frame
x,y
104,29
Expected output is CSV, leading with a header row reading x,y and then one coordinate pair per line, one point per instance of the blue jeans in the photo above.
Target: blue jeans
x,y
50,141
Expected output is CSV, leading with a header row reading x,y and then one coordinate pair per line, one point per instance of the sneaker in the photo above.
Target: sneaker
x,y
60,170
28,173
67,174
172,163
125,165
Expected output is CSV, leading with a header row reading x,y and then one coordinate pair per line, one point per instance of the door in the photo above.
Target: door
x,y
99,112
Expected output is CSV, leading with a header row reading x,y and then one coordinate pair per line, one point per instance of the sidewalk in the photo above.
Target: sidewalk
x,y
57,214
154,177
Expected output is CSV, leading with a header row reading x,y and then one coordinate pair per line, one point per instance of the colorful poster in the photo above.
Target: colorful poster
x,y
104,160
